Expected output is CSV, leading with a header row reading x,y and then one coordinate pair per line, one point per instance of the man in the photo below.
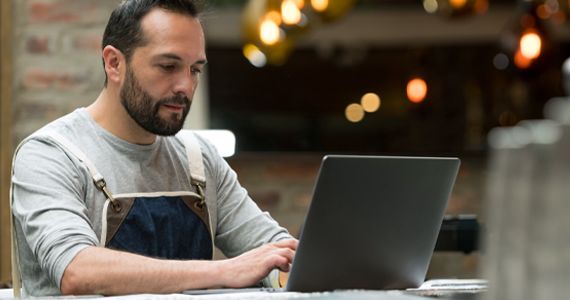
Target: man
x,y
113,175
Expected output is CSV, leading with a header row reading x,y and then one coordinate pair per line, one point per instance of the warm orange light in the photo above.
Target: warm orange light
x,y
299,3
543,12
521,61
416,90
530,45
507,118
274,16
320,5
457,4
254,55
481,6
370,102
290,12
269,32
354,112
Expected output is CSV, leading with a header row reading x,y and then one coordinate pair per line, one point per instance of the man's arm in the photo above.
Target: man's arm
x,y
96,270
240,224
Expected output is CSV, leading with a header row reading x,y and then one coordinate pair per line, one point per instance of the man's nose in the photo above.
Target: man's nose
x,y
186,84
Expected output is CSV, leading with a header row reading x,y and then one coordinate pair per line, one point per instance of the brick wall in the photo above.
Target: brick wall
x,y
57,58
58,68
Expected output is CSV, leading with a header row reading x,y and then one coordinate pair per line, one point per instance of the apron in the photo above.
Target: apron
x,y
166,225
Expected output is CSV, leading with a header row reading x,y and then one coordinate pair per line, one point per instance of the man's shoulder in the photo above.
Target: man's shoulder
x,y
68,125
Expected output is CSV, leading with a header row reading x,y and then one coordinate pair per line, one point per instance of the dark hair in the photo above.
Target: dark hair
x,y
123,29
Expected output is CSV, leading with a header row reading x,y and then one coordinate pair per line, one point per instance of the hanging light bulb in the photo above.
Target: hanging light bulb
x,y
300,3
269,32
290,12
330,10
254,55
262,27
319,5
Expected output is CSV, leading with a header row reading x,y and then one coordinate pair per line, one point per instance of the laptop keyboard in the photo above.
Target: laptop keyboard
x,y
278,294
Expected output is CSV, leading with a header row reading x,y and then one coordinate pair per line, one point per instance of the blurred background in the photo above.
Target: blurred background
x,y
294,80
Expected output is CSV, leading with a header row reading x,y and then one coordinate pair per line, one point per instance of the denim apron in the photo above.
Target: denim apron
x,y
166,225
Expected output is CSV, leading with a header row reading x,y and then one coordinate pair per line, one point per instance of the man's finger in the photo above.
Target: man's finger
x,y
287,243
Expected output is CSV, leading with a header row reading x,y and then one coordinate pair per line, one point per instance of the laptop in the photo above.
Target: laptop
x,y
373,223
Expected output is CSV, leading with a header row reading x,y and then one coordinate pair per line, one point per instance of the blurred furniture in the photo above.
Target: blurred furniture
x,y
458,233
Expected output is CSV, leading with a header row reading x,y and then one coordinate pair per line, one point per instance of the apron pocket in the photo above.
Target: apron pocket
x,y
168,227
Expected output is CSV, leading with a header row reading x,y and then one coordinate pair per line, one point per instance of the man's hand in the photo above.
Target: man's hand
x,y
96,270
251,267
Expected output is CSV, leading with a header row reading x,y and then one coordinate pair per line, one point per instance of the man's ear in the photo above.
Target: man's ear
x,y
114,63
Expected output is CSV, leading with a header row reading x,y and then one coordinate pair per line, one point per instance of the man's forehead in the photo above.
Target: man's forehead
x,y
172,32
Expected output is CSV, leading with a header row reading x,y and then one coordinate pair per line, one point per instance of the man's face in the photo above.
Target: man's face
x,y
144,109
162,75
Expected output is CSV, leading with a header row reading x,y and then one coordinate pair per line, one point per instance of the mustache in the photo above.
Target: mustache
x,y
176,99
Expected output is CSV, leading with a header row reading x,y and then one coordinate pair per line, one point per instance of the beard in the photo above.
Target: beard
x,y
144,109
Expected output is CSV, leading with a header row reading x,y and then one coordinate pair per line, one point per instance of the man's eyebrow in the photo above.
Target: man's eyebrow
x,y
169,56
176,57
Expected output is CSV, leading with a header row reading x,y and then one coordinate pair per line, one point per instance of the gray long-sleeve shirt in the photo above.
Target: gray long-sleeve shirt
x,y
57,208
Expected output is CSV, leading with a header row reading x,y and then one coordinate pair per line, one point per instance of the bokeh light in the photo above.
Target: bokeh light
x,y
290,12
320,5
530,45
274,16
269,32
416,90
521,61
430,6
457,4
354,112
300,3
254,55
507,118
370,102
501,61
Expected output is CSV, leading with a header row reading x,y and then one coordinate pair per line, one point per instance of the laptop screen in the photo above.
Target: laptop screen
x,y
372,223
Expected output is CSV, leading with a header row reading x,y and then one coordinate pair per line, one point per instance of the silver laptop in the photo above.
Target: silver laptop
x,y
373,222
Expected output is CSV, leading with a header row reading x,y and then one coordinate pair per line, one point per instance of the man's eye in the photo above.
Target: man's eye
x,y
168,68
195,71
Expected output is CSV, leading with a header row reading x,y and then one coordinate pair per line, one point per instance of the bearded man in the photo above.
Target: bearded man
x,y
107,200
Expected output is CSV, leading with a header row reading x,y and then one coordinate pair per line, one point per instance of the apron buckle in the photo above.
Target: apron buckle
x,y
102,186
200,190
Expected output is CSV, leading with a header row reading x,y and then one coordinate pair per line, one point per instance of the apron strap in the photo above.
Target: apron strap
x,y
70,147
194,154
197,174
98,179
14,255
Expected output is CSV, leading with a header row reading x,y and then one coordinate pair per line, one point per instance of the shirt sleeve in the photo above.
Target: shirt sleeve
x,y
49,206
241,225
